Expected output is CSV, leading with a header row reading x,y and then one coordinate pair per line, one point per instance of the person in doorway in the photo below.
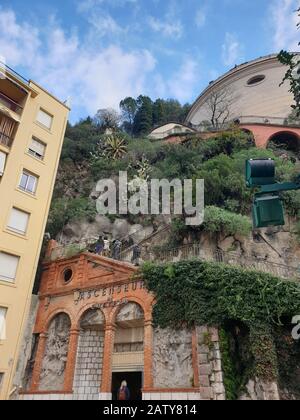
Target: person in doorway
x,y
123,392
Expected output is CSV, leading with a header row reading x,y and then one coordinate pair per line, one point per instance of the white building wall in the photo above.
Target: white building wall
x,y
266,98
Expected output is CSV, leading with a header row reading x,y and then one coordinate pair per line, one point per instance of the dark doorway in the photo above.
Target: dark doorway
x,y
285,141
134,383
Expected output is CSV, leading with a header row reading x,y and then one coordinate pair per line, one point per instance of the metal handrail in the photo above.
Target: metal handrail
x,y
5,140
13,106
12,71
188,252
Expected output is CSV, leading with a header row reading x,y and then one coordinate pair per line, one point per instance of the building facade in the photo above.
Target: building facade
x,y
94,329
252,92
32,127
170,130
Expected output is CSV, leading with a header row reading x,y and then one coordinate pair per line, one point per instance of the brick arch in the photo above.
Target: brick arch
x,y
264,132
291,134
55,313
131,299
83,310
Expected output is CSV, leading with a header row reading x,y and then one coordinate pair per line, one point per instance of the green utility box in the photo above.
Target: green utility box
x,y
260,172
268,211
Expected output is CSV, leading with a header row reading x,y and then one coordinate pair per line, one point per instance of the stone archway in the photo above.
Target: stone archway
x,y
55,358
285,140
88,370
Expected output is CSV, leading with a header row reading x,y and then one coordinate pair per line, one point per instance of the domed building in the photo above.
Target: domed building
x,y
253,96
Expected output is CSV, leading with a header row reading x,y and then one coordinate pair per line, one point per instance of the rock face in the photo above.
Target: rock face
x,y
260,390
54,362
119,229
172,358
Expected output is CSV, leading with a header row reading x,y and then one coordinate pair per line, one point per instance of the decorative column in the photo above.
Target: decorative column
x,y
109,338
38,364
195,361
71,361
148,354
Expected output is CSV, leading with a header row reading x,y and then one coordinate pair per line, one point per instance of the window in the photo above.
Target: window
x,y
2,162
45,119
67,275
37,148
3,312
18,221
28,182
8,267
256,79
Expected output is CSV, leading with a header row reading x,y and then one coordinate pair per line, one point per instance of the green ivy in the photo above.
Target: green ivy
x,y
198,292
211,293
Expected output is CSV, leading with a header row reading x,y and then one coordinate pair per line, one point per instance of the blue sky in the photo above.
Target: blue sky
x,y
99,51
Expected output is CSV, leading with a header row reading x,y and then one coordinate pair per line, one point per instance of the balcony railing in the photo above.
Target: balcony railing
x,y
10,104
5,140
187,252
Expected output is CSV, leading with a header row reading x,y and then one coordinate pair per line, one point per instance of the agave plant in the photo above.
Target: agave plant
x,y
115,147
111,146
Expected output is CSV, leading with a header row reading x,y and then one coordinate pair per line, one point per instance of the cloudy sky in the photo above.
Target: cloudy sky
x,y
99,51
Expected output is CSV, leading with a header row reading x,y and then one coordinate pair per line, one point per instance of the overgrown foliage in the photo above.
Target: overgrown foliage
x,y
211,293
195,292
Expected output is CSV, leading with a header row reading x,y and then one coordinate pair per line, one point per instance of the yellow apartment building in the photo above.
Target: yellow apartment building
x,y
32,128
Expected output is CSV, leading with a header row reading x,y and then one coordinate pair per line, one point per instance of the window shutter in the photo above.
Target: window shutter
x,y
8,267
44,118
3,323
37,147
18,220
2,162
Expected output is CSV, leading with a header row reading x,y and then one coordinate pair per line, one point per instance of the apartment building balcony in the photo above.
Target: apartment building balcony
x,y
8,128
10,104
12,97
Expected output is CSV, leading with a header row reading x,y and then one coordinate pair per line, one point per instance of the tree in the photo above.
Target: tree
x,y
218,106
159,112
143,121
107,118
129,109
293,73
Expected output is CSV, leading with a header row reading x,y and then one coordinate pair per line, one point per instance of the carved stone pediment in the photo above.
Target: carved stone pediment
x,y
101,270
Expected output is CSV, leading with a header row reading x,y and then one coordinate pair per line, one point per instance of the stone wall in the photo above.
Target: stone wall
x,y
89,365
210,365
172,358
258,390
26,355
54,362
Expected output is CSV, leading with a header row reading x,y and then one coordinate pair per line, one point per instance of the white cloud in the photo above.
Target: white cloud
x,y
86,5
105,24
200,18
167,28
232,50
182,83
93,75
284,21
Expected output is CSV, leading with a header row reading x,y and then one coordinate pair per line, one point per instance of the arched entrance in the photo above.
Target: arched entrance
x,y
285,140
128,352
87,380
56,353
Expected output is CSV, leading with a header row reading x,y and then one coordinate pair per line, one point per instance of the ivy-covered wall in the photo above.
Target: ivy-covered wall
x,y
204,293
